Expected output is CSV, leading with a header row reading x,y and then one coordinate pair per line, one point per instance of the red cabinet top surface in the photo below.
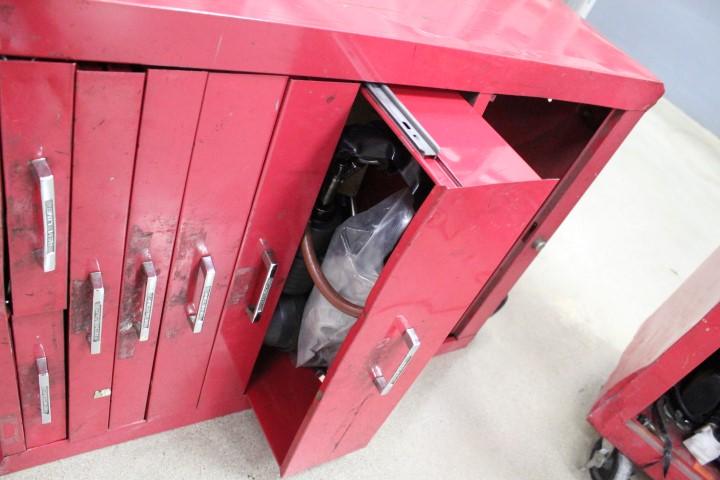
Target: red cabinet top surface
x,y
520,47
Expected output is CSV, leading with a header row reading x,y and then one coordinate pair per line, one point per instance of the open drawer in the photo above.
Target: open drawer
x,y
478,199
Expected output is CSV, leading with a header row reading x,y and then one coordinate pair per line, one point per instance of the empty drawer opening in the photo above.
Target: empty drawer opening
x,y
548,134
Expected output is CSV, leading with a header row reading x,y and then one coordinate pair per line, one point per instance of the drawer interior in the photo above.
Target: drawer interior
x,y
548,134
284,396
554,138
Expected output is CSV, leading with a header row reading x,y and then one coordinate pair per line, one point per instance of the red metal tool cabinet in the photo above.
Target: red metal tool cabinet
x,y
155,154
677,338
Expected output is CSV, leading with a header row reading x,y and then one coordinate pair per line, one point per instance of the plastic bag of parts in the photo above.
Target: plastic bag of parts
x,y
352,264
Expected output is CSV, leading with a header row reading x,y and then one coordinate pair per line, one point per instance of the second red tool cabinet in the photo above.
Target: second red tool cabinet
x,y
668,347
156,194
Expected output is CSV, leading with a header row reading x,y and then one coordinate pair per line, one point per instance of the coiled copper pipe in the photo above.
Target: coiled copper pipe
x,y
318,277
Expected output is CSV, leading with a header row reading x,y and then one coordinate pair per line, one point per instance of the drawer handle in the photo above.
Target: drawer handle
x,y
254,311
384,386
98,299
196,314
143,327
46,183
43,385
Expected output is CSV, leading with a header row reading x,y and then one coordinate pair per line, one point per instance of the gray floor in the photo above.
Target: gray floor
x,y
512,405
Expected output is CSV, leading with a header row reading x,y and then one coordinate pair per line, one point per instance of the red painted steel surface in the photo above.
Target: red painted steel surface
x,y
309,125
236,122
36,108
527,47
66,448
569,190
677,338
433,168
470,150
348,410
281,395
171,108
36,336
107,114
12,436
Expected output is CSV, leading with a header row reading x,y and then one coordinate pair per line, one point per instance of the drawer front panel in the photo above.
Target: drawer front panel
x,y
411,310
309,124
36,107
169,118
12,436
236,122
107,112
40,354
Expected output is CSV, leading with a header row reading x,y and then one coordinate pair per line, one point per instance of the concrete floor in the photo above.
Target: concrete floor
x,y
511,405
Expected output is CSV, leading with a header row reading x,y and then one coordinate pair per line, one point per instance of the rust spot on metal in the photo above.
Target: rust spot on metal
x,y
10,429
192,242
131,301
241,285
6,12
179,298
80,306
172,331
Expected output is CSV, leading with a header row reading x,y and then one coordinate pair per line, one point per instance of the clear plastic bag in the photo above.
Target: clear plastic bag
x,y
352,265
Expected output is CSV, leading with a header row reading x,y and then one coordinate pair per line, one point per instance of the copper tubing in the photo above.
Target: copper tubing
x,y
322,284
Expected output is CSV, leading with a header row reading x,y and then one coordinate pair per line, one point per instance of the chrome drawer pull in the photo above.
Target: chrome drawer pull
x,y
143,327
196,314
413,343
43,386
254,311
47,199
98,299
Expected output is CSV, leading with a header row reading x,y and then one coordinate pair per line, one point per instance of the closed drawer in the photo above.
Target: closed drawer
x,y
36,110
170,113
40,355
474,198
107,112
236,121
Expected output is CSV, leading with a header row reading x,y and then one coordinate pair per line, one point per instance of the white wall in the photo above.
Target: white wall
x,y
679,40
